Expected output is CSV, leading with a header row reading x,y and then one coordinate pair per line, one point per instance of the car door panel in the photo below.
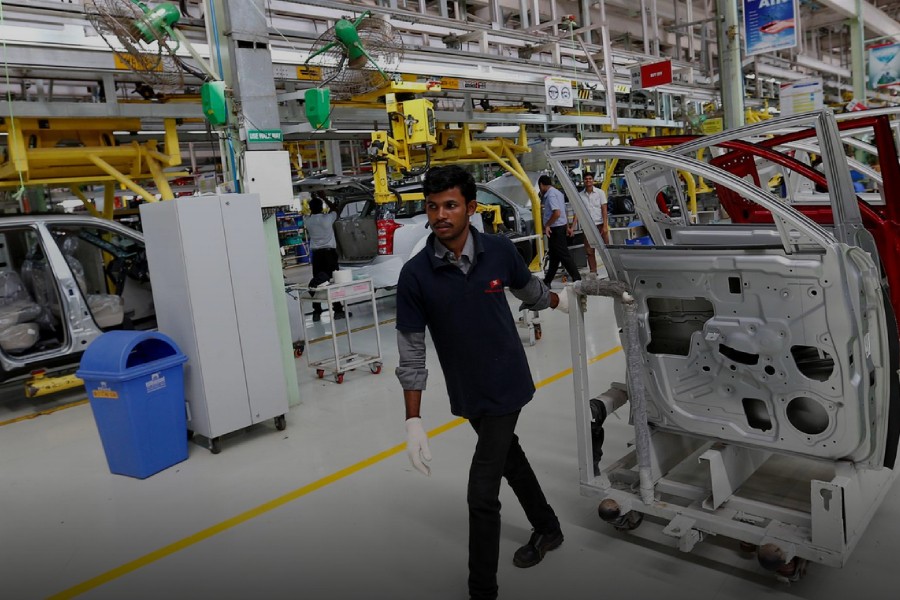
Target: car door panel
x,y
770,336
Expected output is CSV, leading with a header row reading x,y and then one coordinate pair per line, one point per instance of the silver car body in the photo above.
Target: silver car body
x,y
75,324
356,232
754,340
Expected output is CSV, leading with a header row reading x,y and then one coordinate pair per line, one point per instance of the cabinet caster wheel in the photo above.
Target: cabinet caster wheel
x,y
375,368
320,373
537,332
214,445
298,352
280,423
339,378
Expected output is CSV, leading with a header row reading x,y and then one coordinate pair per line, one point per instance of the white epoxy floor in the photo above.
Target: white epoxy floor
x,y
331,509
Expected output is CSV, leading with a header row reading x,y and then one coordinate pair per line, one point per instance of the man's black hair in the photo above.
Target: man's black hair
x,y
545,180
441,179
315,205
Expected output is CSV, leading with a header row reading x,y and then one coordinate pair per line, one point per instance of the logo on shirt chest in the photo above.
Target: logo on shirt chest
x,y
494,286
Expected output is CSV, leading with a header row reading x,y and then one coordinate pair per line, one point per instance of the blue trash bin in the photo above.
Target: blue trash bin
x,y
135,383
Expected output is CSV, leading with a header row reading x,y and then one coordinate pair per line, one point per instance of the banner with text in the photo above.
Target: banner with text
x,y
884,65
770,25
801,96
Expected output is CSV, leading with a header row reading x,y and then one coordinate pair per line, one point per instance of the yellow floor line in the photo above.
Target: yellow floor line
x,y
209,532
47,411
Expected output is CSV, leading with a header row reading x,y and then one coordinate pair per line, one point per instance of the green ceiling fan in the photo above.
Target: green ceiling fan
x,y
144,38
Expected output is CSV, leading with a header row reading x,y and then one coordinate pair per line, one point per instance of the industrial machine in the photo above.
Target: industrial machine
x,y
762,368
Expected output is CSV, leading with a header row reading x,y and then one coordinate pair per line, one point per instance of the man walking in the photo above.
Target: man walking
x,y
556,227
595,200
453,287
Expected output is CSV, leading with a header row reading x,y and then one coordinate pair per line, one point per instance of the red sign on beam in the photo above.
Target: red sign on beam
x,y
651,75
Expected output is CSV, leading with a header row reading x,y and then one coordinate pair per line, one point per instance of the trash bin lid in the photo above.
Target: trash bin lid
x,y
122,355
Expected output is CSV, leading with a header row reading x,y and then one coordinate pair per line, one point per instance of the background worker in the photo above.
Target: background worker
x,y
556,228
595,200
322,246
453,287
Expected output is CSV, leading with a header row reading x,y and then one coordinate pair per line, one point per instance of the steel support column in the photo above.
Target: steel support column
x,y
241,53
858,53
730,76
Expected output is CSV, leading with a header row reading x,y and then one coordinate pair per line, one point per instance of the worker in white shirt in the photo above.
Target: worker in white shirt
x,y
595,200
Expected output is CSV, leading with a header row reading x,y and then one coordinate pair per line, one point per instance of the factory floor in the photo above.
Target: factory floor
x,y
330,508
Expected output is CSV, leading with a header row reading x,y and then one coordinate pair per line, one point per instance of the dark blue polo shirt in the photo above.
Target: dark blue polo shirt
x,y
472,327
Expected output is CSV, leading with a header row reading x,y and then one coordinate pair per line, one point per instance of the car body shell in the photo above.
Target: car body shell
x,y
75,326
356,229
772,333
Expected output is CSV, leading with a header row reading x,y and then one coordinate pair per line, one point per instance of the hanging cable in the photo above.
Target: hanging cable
x,y
14,142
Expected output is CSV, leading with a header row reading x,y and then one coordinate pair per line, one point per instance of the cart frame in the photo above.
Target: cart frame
x,y
344,293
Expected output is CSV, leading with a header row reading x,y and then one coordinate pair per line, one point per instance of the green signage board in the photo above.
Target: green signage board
x,y
264,136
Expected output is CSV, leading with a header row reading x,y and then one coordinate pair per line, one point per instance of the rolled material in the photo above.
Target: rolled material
x,y
343,276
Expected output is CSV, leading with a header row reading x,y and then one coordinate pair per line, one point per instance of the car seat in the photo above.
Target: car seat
x,y
108,310
18,331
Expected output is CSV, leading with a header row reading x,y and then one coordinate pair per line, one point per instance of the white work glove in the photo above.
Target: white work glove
x,y
563,305
417,445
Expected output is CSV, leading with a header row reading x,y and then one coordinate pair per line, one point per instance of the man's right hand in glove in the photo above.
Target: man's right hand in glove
x,y
417,445
562,302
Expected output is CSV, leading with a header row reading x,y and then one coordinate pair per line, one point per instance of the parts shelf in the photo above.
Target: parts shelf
x,y
359,293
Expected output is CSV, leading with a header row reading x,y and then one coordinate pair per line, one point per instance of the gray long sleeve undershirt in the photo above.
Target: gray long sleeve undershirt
x,y
411,344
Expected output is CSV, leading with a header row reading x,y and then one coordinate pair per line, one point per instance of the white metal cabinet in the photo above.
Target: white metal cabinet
x,y
207,257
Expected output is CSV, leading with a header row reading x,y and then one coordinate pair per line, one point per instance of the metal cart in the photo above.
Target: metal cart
x,y
355,292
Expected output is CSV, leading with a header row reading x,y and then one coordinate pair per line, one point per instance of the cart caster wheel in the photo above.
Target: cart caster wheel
x,y
320,373
339,378
280,423
375,368
214,445
298,353
629,521
190,435
537,332
610,511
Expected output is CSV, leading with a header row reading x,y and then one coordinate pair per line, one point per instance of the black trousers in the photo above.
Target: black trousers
x,y
558,251
324,264
497,455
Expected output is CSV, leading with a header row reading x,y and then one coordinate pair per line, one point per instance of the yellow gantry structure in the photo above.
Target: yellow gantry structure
x,y
416,140
73,152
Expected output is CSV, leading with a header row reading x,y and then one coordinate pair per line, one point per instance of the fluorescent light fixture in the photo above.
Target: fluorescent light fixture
x,y
570,142
563,142
501,129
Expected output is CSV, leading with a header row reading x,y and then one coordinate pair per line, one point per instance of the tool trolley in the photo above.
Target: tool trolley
x,y
359,293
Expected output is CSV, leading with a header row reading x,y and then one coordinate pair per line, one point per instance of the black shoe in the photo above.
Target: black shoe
x,y
341,314
533,552
317,315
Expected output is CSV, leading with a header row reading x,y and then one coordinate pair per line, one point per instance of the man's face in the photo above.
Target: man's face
x,y
588,182
448,214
